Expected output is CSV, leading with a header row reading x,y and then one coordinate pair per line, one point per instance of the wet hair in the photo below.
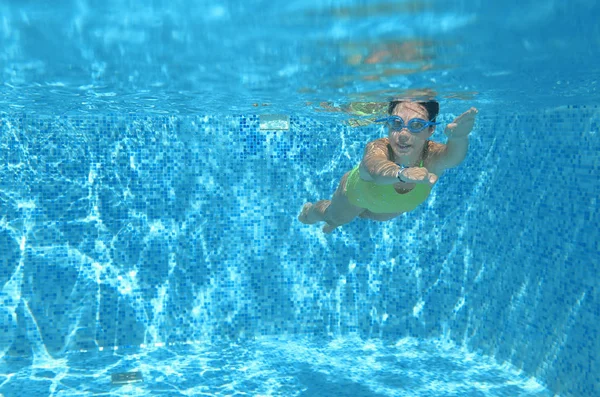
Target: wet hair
x,y
432,107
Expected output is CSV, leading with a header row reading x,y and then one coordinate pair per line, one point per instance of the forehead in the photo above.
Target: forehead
x,y
410,110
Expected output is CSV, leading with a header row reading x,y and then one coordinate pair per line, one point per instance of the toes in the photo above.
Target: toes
x,y
328,228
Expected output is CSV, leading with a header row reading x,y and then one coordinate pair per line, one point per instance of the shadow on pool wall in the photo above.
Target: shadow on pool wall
x,y
123,230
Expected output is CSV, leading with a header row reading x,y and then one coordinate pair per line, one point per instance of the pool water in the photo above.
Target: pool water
x,y
154,159
307,58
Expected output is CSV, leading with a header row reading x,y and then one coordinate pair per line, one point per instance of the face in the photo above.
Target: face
x,y
404,142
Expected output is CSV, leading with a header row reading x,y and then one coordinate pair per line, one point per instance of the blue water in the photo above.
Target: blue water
x,y
154,158
184,57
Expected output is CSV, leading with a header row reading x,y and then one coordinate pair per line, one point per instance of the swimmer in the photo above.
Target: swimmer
x,y
396,173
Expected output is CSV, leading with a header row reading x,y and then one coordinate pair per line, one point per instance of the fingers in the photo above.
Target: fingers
x,y
433,178
420,175
468,115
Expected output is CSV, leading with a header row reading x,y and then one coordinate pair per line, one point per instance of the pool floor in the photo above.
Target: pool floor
x,y
271,366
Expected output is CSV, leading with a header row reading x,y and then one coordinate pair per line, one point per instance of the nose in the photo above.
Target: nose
x,y
403,132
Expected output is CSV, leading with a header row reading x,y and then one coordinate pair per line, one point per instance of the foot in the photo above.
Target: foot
x,y
303,217
308,215
328,228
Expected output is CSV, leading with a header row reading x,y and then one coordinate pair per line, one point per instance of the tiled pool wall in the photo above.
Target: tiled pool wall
x,y
121,230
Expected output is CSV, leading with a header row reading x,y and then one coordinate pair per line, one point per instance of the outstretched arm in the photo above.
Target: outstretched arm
x,y
377,167
457,146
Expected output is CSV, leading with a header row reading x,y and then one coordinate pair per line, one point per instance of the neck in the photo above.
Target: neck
x,y
409,160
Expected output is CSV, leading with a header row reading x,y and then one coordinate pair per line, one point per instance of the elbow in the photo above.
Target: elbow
x,y
365,174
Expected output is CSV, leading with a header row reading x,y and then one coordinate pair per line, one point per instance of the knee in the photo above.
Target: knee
x,y
338,219
333,220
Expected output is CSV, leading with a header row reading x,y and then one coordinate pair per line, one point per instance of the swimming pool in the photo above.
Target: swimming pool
x,y
153,161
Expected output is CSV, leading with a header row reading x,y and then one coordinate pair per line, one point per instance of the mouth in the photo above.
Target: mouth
x,y
404,147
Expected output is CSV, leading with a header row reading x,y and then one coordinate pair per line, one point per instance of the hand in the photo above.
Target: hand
x,y
462,125
418,175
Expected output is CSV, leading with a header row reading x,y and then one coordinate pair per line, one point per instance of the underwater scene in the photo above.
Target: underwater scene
x,y
177,215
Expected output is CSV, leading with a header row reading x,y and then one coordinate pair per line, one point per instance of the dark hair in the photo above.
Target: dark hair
x,y
432,107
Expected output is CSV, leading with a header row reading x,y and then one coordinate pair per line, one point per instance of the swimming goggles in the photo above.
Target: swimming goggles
x,y
414,125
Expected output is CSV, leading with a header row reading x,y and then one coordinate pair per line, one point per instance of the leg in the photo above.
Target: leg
x,y
336,212
378,217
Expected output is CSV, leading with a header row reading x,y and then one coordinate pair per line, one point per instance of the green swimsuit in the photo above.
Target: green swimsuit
x,y
383,199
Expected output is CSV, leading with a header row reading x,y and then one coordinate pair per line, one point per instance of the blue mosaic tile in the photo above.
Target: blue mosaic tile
x,y
123,230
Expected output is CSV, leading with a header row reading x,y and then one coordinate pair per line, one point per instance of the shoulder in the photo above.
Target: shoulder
x,y
377,153
379,145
